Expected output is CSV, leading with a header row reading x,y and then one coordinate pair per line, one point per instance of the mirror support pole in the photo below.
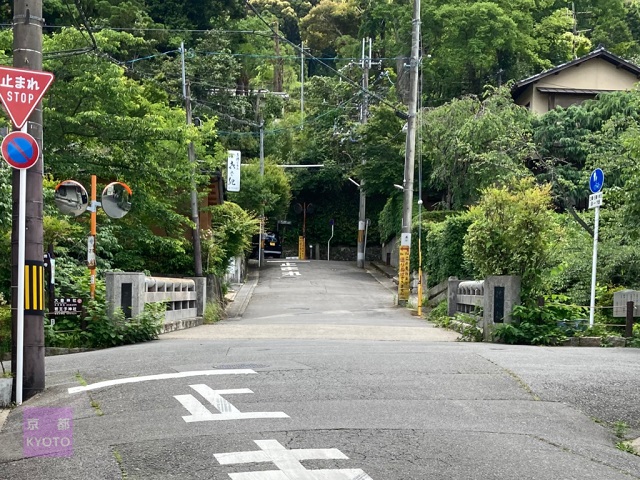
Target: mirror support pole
x,y
91,244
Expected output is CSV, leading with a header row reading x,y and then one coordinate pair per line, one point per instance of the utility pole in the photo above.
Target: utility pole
x,y
301,85
261,126
409,160
27,54
277,70
195,216
364,116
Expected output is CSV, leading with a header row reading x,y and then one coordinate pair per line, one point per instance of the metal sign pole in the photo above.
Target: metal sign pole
x,y
593,269
91,243
596,182
22,207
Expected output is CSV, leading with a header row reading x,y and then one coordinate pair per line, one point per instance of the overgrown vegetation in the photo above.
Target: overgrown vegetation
x,y
465,324
5,331
213,313
102,331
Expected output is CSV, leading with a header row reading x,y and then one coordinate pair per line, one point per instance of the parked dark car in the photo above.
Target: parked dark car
x,y
270,245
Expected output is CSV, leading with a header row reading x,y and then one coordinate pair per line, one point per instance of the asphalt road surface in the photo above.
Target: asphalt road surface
x,y
320,377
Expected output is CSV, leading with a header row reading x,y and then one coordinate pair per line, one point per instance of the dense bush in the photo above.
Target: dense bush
x,y
103,331
443,255
390,220
513,233
551,324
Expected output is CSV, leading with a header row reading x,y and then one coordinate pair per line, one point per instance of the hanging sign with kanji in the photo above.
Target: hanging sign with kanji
x,y
233,171
21,91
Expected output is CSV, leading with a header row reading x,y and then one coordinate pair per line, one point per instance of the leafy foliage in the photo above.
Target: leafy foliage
x,y
5,331
512,233
103,331
230,236
444,256
270,193
548,325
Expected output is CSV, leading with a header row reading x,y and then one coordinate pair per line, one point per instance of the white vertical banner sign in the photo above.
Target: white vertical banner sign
x,y
233,171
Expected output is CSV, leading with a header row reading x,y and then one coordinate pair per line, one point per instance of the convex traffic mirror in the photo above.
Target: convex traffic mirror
x,y
71,198
116,199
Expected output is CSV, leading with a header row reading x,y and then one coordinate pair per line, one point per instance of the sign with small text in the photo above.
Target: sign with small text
x,y
21,90
67,306
233,171
595,200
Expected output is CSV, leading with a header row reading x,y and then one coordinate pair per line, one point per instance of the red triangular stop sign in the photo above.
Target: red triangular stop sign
x,y
21,90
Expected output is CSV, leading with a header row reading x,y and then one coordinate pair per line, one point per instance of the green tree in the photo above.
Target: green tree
x,y
271,191
328,25
469,144
513,232
229,236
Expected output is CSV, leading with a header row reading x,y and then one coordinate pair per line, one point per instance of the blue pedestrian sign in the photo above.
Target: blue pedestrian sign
x,y
596,181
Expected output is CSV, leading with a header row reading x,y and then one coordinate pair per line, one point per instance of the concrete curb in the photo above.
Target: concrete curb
x,y
237,307
388,272
4,413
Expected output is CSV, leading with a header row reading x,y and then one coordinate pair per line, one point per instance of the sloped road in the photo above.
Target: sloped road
x,y
321,377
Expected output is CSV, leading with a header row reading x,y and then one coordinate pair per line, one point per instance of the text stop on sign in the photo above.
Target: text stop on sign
x,y
21,90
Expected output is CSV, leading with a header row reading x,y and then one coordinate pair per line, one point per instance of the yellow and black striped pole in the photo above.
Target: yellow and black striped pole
x,y
34,299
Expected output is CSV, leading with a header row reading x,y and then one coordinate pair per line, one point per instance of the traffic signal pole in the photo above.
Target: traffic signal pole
x,y
27,54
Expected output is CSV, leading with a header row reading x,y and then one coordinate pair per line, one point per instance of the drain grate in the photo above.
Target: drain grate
x,y
233,366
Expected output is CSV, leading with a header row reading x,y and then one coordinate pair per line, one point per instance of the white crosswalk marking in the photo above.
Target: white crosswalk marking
x,y
288,463
199,413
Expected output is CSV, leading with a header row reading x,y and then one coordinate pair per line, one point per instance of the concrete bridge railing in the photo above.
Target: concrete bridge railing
x,y
185,297
490,300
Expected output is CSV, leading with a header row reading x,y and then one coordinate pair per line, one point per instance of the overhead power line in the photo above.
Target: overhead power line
x,y
304,52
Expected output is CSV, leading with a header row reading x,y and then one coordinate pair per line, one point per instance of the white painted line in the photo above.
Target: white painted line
x,y
290,274
199,413
288,463
161,376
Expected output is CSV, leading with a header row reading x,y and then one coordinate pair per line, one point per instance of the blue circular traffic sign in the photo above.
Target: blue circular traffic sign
x,y
20,150
596,180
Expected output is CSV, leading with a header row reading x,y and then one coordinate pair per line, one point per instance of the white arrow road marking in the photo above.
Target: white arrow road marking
x,y
199,413
162,376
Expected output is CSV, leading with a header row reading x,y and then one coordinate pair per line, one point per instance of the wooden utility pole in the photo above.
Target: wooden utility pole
x,y
27,54
409,160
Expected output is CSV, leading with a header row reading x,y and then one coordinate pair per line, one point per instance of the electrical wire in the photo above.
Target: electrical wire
x,y
338,73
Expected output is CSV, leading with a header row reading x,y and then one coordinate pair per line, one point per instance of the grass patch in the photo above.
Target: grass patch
x,y
213,312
